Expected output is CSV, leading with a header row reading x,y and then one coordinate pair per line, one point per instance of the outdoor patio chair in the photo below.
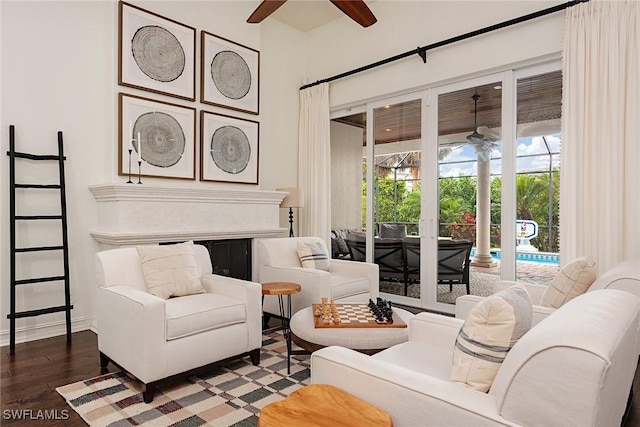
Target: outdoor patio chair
x,y
453,263
411,249
387,254
388,230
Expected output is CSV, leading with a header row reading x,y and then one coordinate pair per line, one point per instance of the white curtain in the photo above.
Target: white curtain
x,y
315,162
600,172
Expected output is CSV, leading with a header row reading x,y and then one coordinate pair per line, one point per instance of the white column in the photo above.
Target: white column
x,y
482,257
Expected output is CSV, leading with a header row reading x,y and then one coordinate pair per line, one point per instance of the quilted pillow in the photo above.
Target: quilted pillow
x,y
170,270
573,279
342,244
339,245
313,255
493,327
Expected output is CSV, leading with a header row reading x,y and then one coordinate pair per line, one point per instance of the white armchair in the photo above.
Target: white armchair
x,y
465,303
153,338
574,368
347,281
624,276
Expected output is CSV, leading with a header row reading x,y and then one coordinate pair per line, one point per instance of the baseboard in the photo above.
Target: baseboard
x,y
45,330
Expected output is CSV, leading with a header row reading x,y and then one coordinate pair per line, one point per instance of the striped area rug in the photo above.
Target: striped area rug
x,y
225,396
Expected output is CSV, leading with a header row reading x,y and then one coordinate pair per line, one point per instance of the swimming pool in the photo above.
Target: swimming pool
x,y
541,257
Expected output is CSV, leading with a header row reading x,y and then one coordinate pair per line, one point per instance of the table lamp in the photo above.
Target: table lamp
x,y
295,199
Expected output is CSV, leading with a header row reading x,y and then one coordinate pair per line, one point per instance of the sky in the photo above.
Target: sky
x,y
525,147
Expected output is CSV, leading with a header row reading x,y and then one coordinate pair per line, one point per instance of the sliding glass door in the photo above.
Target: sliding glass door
x,y
434,186
539,106
395,147
469,140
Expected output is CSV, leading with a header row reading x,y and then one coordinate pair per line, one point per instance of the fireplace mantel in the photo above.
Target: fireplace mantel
x,y
130,214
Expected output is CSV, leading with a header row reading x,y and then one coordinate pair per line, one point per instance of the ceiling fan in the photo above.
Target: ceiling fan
x,y
354,9
482,138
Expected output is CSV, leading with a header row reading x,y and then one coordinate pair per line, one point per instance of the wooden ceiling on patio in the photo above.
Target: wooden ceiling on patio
x,y
539,99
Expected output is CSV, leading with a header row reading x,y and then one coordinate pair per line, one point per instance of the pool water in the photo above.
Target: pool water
x,y
541,257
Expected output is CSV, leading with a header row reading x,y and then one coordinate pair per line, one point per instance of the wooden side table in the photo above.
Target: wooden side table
x,y
280,289
322,405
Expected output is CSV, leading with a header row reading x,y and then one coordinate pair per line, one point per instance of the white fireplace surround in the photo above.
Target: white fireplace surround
x,y
130,214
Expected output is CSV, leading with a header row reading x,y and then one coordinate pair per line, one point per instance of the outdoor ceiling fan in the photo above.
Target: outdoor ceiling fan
x,y
482,138
354,9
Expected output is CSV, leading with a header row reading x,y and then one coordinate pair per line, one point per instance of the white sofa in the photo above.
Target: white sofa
x,y
575,368
347,281
153,338
624,276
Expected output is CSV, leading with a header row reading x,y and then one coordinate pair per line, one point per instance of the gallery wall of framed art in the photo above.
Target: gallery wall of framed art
x,y
158,54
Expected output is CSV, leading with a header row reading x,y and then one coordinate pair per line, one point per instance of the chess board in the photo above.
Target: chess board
x,y
355,316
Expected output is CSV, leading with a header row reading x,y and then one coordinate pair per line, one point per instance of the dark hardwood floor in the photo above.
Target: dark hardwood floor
x,y
29,379
30,376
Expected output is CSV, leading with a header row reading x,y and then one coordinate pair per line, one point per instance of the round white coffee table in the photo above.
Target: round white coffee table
x,y
364,340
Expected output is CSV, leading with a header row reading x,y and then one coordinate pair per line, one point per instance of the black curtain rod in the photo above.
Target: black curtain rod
x,y
422,51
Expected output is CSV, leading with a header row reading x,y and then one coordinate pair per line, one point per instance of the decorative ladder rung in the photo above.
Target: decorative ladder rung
x,y
40,249
39,280
52,186
37,217
33,313
36,156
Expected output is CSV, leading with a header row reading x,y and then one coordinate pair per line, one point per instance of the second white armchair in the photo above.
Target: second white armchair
x,y
347,281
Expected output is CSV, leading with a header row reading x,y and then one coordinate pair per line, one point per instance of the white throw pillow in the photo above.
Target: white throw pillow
x,y
572,280
313,255
170,270
494,325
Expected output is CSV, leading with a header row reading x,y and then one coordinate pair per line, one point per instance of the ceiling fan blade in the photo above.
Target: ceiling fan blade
x,y
356,10
266,8
488,133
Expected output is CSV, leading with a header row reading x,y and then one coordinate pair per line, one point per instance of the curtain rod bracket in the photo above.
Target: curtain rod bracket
x,y
422,53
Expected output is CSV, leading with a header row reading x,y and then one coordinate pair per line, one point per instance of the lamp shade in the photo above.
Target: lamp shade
x,y
295,198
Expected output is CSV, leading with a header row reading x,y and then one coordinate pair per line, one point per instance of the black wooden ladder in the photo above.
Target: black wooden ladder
x,y
62,217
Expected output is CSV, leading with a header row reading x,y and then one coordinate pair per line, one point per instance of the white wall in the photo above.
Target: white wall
x,y
59,72
405,25
282,69
346,176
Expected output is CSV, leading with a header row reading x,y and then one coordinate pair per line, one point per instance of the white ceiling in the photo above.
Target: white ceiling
x,y
305,15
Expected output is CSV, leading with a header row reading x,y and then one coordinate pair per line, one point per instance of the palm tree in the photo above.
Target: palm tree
x,y
532,198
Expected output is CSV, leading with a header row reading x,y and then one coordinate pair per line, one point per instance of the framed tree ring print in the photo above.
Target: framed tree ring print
x,y
156,53
228,148
230,74
159,135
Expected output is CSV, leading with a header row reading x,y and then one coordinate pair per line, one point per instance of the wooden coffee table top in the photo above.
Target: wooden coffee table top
x,y
280,288
322,405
